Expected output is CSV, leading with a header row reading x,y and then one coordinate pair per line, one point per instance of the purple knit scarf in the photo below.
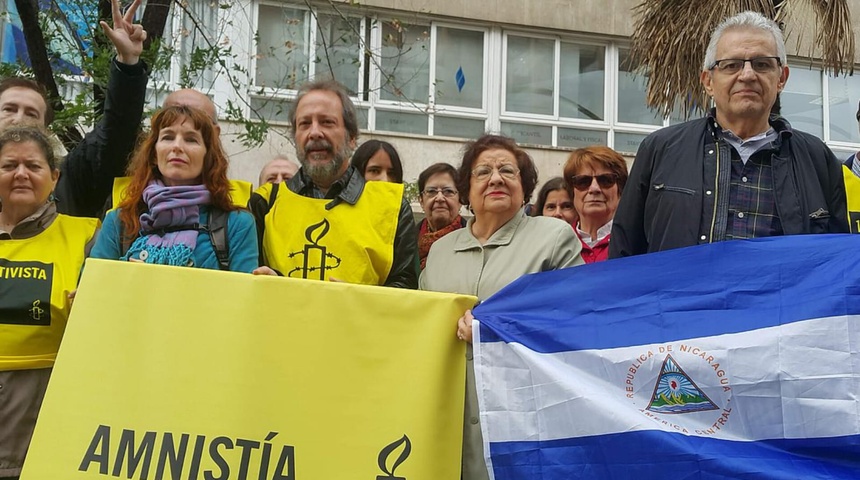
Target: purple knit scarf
x,y
168,230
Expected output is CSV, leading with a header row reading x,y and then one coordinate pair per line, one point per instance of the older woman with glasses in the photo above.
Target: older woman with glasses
x,y
595,176
440,201
497,246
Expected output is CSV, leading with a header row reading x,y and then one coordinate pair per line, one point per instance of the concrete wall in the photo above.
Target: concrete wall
x,y
608,17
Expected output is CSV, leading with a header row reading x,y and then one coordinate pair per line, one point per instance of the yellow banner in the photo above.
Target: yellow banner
x,y
184,373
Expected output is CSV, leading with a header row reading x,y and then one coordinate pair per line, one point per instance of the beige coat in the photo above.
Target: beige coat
x,y
458,263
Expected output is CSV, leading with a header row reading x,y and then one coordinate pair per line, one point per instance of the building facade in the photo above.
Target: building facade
x,y
428,75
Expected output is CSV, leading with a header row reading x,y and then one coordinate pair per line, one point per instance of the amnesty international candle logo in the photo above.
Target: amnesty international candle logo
x,y
682,387
405,445
316,259
25,292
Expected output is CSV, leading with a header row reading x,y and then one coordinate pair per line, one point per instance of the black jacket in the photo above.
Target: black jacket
x,y
404,269
87,174
677,193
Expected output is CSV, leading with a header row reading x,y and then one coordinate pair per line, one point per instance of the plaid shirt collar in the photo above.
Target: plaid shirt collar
x,y
347,188
777,122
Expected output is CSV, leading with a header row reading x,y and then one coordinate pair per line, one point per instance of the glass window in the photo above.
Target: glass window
x,y
362,113
459,67
401,122
524,133
282,50
199,30
405,62
628,142
338,48
578,138
844,98
582,80
802,102
271,109
631,95
457,127
529,75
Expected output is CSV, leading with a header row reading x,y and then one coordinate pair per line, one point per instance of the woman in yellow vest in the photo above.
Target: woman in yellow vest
x,y
41,254
178,183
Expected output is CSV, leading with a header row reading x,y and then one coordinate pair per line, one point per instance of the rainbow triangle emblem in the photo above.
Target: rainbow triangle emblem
x,y
676,392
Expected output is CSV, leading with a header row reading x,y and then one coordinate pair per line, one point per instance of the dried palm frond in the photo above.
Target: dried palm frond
x,y
670,38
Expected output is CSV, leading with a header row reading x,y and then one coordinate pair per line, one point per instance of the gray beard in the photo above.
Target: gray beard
x,y
328,173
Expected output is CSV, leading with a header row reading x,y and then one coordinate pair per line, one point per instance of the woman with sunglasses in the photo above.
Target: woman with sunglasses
x,y
500,244
595,177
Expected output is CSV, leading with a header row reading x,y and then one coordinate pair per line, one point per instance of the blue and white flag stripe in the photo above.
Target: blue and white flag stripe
x,y
661,371
726,287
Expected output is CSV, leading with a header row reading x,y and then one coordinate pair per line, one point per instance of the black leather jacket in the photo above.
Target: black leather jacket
x,y
348,188
678,191
87,174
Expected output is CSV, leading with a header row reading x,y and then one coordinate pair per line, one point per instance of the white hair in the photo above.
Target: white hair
x,y
748,20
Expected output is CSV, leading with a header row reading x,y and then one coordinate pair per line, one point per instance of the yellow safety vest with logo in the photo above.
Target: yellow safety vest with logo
x,y
852,196
36,276
349,243
240,191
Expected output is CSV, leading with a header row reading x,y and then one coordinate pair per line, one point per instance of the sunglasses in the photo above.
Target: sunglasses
x,y
583,182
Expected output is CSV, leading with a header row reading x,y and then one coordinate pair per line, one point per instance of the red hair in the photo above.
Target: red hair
x,y
143,168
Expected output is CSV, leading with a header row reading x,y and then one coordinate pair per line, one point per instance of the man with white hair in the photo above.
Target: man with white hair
x,y
740,172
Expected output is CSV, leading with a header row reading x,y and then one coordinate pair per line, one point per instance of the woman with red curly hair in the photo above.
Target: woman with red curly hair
x,y
178,177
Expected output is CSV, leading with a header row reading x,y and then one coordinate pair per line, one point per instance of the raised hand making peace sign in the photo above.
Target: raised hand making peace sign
x,y
125,35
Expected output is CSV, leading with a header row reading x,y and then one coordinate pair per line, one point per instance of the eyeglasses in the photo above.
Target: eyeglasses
x,y
484,172
431,192
583,182
759,64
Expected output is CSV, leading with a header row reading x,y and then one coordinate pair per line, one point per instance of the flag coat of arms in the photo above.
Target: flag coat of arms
x,y
732,360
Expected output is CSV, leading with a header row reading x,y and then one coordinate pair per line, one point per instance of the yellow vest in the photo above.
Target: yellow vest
x,y
350,243
240,192
852,195
36,275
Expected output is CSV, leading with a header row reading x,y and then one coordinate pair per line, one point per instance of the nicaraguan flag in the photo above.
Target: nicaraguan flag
x,y
732,360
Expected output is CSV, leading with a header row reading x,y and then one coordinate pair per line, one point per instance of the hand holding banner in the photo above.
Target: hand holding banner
x,y
188,373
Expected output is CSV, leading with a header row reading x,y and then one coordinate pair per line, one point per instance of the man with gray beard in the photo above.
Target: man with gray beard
x,y
328,224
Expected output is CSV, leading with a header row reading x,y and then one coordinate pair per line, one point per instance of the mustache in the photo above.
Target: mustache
x,y
319,145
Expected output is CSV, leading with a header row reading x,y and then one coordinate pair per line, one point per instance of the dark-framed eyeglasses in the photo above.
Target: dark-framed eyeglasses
x,y
604,180
758,64
431,192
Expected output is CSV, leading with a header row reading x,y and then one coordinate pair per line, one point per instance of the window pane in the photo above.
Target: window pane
x,y
844,97
271,109
459,67
362,113
631,95
282,50
529,75
196,35
338,50
628,142
801,101
582,80
578,138
457,127
405,62
523,133
401,122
